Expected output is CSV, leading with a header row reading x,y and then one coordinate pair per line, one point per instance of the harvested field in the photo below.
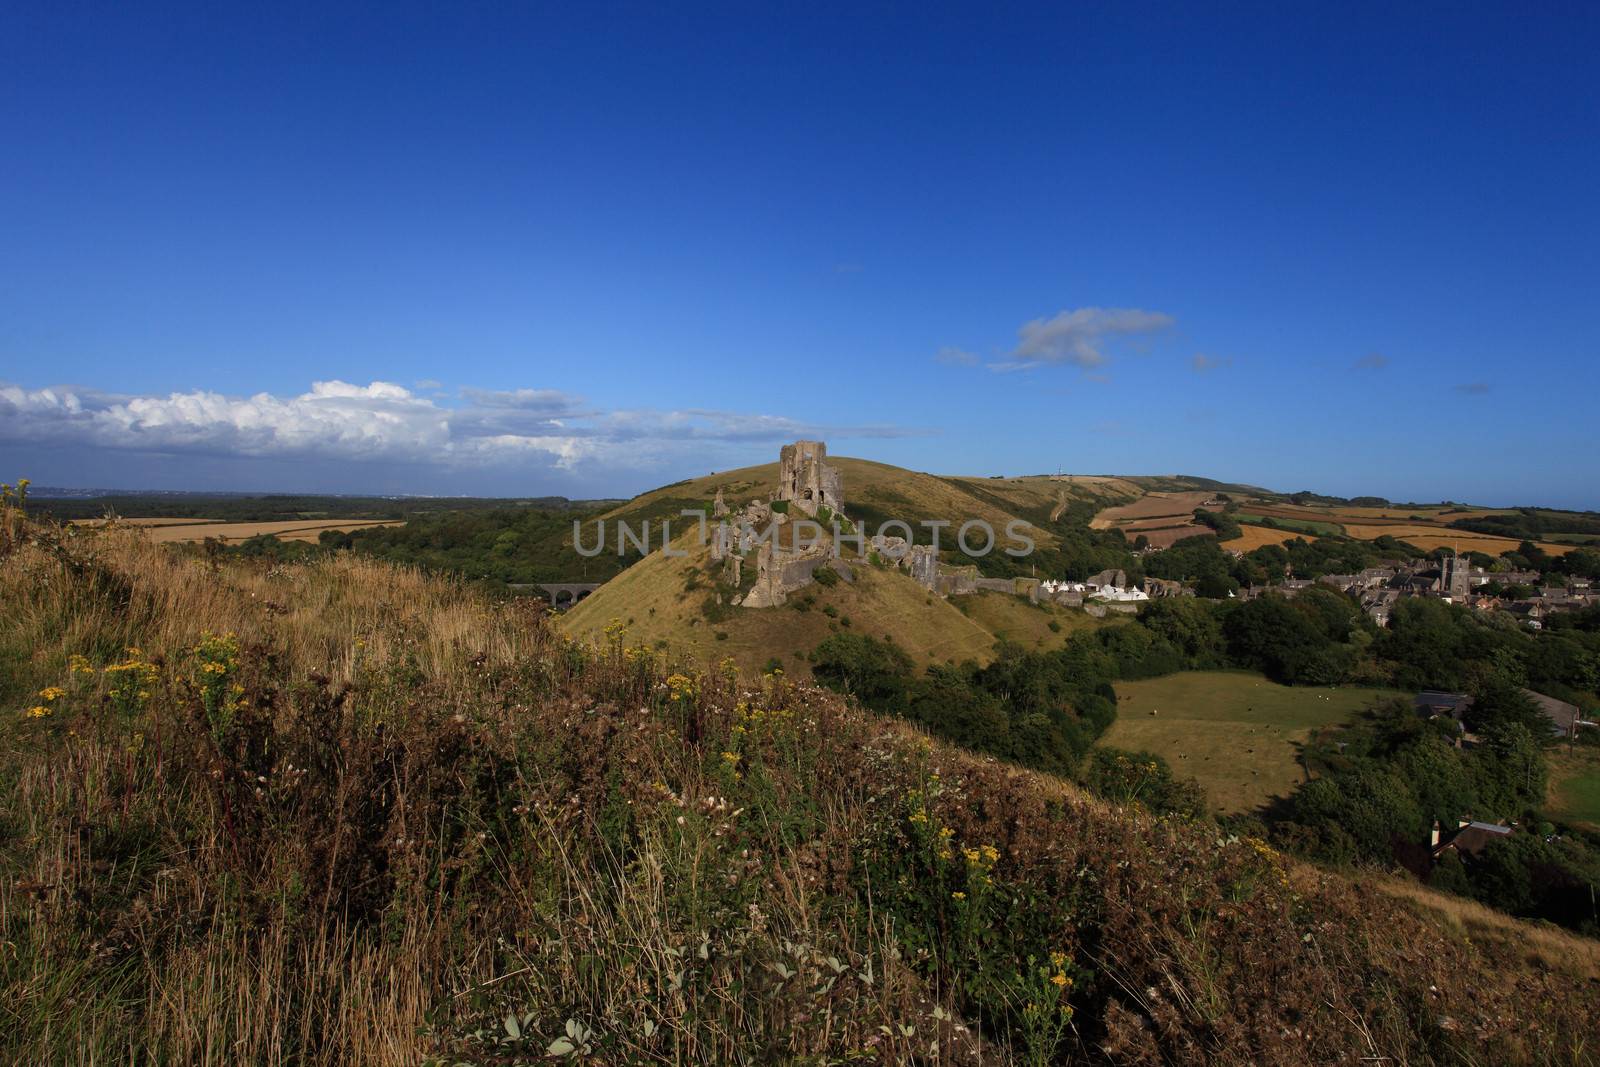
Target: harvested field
x,y
1431,537
1166,523
144,522
1255,537
1150,506
287,530
1172,535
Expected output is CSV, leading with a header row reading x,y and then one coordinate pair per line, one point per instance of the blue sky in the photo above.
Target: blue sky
x,y
506,249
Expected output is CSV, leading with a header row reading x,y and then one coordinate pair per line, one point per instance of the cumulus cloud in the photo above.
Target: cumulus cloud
x,y
1203,363
1371,361
1078,337
381,421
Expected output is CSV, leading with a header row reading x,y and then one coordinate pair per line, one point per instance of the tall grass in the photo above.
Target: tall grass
x,y
359,815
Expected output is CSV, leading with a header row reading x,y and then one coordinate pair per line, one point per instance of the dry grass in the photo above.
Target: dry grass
x,y
1017,620
1540,944
426,812
663,602
313,615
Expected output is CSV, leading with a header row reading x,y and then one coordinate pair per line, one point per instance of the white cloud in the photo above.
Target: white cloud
x,y
1078,337
382,421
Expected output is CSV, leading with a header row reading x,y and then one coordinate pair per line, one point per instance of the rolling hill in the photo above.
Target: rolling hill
x,y
672,602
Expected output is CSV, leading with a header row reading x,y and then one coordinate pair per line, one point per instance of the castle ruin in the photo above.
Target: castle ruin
x,y
806,481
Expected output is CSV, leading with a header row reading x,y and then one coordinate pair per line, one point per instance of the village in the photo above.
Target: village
x,y
1454,581
810,488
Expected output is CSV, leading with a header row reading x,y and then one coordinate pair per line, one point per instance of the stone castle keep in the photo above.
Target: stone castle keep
x,y
806,481
786,557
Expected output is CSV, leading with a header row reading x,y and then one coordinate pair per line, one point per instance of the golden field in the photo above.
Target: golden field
x,y
1431,537
1255,537
164,532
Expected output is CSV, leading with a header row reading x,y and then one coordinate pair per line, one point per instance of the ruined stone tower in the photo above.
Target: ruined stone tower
x,y
806,480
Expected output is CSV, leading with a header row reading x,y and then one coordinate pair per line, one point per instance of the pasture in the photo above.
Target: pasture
x,y
1314,527
1575,785
1236,732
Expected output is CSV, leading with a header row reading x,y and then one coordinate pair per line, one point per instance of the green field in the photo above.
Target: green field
x,y
1575,785
1235,732
1310,526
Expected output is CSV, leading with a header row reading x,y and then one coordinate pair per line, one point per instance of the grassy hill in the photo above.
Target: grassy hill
x,y
876,492
671,603
664,602
343,812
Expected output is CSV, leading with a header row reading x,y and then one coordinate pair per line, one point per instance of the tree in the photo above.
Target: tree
x,y
1188,626
1450,875
1370,803
1512,776
874,672
1267,634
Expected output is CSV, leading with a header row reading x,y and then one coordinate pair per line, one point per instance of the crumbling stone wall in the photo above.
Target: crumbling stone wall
x,y
781,571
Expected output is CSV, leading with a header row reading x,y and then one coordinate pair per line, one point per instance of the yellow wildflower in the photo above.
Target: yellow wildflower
x,y
38,711
52,692
958,895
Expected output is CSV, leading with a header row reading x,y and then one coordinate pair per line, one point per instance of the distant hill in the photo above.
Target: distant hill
x,y
673,602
